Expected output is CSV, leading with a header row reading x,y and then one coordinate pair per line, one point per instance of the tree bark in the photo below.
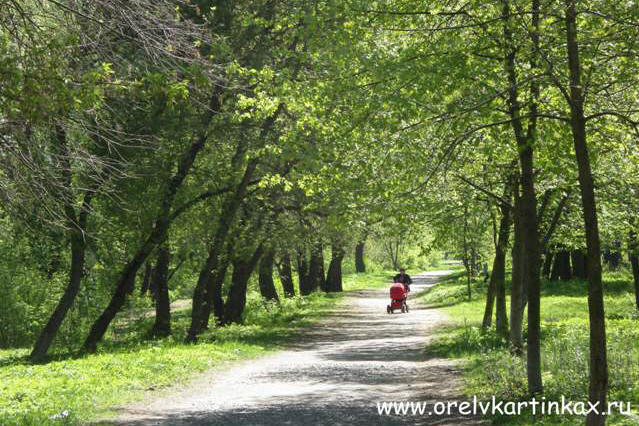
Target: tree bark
x,y
612,256
598,386
267,285
528,203
497,285
286,275
316,279
126,282
236,301
548,262
76,273
205,287
360,266
633,256
517,290
561,266
162,325
548,256
499,271
334,275
146,279
303,274
77,223
215,300
578,261
487,321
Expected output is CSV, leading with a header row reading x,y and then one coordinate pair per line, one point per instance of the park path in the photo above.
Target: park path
x,y
358,355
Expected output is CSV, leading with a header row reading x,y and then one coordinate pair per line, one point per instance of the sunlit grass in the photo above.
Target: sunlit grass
x,y
493,370
71,390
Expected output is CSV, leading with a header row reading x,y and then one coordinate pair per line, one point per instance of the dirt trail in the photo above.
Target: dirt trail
x,y
357,356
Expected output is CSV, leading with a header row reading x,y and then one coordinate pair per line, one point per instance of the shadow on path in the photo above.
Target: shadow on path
x,y
335,375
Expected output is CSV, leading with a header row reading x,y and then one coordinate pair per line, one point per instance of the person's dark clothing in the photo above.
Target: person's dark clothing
x,y
404,279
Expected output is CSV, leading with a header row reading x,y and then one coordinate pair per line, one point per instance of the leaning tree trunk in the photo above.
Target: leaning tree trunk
x,y
77,223
334,275
487,321
360,266
146,279
598,386
215,299
265,278
162,222
76,272
497,276
204,288
286,275
162,325
549,256
236,301
548,262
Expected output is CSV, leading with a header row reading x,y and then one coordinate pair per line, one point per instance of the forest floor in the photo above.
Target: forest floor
x,y
357,356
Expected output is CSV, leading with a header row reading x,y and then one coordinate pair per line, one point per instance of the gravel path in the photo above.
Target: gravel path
x,y
357,356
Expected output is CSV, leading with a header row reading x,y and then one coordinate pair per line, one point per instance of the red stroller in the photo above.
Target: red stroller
x,y
398,298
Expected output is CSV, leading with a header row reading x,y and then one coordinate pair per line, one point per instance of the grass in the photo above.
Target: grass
x,y
493,370
72,390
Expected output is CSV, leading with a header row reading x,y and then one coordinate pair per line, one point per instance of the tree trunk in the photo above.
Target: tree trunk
x,y
316,278
162,325
528,203
598,386
550,231
76,272
499,271
286,275
467,261
516,296
215,301
578,260
158,234
612,256
497,284
146,279
205,287
487,321
561,266
360,266
77,223
548,262
633,256
334,276
267,285
242,270
306,287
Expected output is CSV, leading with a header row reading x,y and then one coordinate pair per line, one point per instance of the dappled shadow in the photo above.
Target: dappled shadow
x,y
334,374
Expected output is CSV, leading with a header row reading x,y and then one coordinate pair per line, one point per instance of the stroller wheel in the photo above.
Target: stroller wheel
x,y
389,310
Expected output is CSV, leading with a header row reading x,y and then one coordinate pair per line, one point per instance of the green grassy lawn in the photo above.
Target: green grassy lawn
x,y
80,389
492,370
